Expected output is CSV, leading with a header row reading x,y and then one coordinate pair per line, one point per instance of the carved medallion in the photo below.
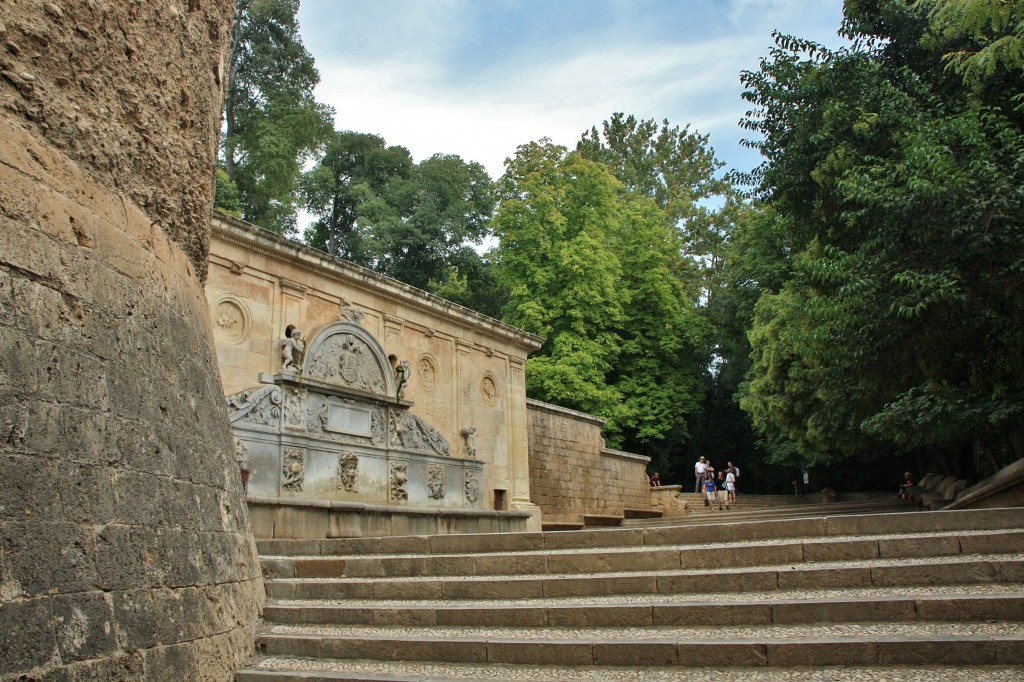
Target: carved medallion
x,y
293,469
489,390
348,472
435,481
399,478
231,321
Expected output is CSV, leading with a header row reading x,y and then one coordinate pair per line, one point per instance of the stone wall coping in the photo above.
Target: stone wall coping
x,y
564,411
358,507
264,242
621,454
1009,477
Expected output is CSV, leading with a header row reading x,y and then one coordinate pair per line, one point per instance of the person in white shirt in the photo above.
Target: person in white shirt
x,y
698,470
730,486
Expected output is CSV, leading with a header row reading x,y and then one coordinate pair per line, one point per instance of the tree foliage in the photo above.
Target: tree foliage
x,y
596,270
901,196
273,123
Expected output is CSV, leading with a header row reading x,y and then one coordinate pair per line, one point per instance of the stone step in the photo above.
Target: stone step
x,y
934,603
977,643
653,558
953,570
679,534
641,513
698,513
283,669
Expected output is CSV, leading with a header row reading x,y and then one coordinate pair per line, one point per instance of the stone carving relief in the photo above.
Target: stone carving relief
x,y
348,360
469,442
258,406
349,313
294,410
231,321
292,348
348,472
427,373
412,433
399,479
293,469
489,391
435,481
472,487
402,374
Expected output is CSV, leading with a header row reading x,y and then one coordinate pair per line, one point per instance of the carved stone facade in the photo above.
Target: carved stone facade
x,y
389,373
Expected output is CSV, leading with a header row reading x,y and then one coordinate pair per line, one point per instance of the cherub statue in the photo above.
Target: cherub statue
x,y
292,348
402,373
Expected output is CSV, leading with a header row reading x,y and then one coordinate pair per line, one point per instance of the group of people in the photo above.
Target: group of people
x,y
719,487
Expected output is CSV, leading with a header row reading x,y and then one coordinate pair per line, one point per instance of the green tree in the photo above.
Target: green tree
x,y
354,169
556,225
422,225
900,196
273,123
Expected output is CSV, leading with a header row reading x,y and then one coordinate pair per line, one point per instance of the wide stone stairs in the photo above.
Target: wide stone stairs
x,y
765,507
909,596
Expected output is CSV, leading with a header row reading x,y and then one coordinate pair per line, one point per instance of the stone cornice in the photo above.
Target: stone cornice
x,y
621,454
564,411
263,242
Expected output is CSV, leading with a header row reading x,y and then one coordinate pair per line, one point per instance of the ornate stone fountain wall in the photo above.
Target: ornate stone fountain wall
x,y
462,389
337,431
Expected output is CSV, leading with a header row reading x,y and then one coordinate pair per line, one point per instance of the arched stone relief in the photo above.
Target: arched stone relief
x,y
427,372
347,355
232,320
490,389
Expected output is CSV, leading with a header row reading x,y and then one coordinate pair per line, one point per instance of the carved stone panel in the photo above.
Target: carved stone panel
x,y
348,472
472,487
399,481
293,470
435,481
231,320
294,409
258,406
412,433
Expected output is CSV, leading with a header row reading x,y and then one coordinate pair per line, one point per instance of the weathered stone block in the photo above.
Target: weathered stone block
x,y
27,636
136,619
84,626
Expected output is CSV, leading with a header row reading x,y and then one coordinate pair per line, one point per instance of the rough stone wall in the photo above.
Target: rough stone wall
x,y
125,551
571,472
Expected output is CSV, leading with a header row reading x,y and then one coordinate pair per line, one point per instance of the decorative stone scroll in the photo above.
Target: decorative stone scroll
x,y
435,481
399,479
258,406
293,469
349,313
412,433
348,472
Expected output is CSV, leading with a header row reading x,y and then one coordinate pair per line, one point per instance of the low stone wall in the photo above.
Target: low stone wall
x,y
572,474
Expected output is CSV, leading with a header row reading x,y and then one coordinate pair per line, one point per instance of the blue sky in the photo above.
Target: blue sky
x,y
477,78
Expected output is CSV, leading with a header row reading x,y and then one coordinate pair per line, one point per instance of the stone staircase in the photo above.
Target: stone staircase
x,y
909,596
765,507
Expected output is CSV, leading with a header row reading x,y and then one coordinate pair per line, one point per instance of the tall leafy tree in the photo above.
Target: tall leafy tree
x,y
556,226
273,123
423,225
901,195
354,169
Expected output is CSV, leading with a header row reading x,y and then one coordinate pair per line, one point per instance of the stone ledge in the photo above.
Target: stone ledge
x,y
357,507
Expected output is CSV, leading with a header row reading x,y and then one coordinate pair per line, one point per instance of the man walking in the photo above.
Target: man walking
x,y
698,470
